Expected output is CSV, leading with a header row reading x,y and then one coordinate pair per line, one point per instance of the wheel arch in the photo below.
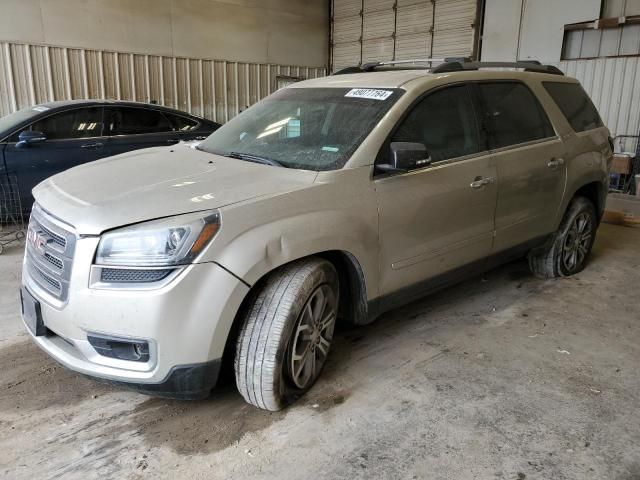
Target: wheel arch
x,y
595,192
593,186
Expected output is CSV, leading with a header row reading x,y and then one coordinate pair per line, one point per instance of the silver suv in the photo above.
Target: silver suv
x,y
335,199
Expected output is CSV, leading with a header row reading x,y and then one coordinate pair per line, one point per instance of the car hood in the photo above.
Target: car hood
x,y
158,182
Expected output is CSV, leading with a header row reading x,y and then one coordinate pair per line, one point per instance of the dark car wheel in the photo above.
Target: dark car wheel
x,y
287,332
571,245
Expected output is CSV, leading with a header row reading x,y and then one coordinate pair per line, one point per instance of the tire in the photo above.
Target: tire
x,y
277,359
567,252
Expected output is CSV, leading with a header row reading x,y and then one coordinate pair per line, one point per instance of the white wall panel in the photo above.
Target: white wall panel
x,y
454,27
501,30
269,31
215,89
413,30
543,22
378,27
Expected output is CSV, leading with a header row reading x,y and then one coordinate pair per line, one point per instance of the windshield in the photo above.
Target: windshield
x,y
11,121
305,128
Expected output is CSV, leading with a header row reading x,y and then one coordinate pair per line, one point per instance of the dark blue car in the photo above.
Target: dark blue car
x,y
40,141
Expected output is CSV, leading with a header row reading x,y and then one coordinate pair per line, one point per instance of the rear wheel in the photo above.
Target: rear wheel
x,y
571,245
287,333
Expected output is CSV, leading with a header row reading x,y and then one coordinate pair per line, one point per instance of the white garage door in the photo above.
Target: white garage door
x,y
377,30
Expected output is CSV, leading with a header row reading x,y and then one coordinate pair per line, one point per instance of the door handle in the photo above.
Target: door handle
x,y
480,182
92,145
555,162
173,141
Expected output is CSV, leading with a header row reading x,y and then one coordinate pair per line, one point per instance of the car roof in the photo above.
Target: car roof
x,y
61,104
397,78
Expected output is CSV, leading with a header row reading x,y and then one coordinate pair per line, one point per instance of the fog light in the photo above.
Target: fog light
x,y
121,349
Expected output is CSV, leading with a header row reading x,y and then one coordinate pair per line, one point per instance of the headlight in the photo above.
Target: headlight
x,y
166,242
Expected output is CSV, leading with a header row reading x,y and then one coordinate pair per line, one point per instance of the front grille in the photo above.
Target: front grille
x,y
57,239
49,253
128,275
54,260
53,283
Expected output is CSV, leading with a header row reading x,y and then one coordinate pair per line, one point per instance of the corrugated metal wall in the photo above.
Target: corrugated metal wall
x,y
215,89
614,86
378,30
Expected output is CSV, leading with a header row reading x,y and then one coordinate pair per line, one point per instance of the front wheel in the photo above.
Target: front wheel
x,y
287,332
571,244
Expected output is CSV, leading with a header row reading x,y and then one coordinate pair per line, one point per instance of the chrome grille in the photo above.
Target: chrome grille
x,y
57,239
54,260
49,253
55,284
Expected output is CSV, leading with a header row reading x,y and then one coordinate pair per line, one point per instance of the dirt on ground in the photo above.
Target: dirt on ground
x,y
504,376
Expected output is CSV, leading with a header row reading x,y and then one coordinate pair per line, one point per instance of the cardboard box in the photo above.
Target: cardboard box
x,y
622,209
621,164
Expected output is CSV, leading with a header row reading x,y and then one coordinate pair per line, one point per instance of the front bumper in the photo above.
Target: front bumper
x,y
187,382
185,323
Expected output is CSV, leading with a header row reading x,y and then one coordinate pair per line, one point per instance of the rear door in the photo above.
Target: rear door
x,y
133,128
435,220
529,157
73,137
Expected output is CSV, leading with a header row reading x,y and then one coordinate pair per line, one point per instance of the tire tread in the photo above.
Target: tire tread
x,y
258,348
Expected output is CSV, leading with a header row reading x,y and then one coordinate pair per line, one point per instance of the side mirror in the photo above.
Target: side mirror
x,y
28,137
405,156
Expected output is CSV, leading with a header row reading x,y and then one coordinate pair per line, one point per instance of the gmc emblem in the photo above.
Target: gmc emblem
x,y
38,240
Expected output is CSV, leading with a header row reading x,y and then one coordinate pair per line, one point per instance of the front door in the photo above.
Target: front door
x,y
529,157
73,137
437,221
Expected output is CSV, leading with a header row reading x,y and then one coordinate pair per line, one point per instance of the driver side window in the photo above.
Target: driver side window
x,y
445,122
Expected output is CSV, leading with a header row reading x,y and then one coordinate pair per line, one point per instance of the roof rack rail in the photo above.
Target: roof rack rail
x,y
526,65
451,64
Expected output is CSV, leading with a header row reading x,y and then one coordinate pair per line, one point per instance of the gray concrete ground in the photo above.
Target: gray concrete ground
x,y
506,377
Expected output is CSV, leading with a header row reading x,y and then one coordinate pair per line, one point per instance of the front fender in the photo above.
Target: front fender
x,y
259,250
339,213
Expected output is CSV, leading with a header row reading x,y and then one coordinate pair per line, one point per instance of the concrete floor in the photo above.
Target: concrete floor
x,y
504,377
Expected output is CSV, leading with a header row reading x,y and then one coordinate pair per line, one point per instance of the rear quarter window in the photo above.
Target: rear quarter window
x,y
575,104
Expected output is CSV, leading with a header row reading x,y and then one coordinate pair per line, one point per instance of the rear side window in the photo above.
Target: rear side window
x,y
445,122
513,114
575,105
182,124
135,121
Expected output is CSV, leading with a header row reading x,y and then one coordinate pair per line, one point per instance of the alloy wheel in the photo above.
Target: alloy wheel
x,y
312,337
577,242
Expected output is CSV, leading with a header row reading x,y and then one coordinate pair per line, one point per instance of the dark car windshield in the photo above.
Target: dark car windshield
x,y
305,128
9,122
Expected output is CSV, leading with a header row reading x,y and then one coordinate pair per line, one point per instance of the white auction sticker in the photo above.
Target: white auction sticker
x,y
371,93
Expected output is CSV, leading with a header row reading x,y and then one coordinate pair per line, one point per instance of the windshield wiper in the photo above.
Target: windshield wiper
x,y
253,158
